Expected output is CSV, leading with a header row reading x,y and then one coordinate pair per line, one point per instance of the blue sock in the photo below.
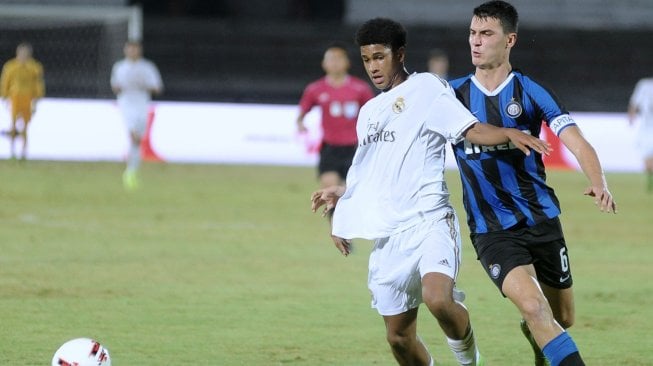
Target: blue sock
x,y
559,348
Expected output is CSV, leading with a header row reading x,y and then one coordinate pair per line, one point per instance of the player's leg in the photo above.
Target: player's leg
x,y
136,120
330,178
26,109
562,306
334,163
395,285
452,316
401,333
648,163
13,132
439,264
521,287
129,177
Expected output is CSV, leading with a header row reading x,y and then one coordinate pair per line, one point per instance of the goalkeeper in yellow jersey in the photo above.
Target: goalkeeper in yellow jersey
x,y
21,83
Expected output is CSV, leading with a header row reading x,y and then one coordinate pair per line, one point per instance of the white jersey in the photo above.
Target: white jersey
x,y
397,175
135,79
642,98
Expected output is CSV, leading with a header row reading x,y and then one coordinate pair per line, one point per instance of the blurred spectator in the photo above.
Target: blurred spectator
x,y
641,105
438,63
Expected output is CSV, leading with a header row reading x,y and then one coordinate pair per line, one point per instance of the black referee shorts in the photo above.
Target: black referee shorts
x,y
336,158
542,245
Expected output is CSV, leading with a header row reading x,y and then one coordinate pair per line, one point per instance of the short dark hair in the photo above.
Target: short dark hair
x,y
505,12
438,53
381,31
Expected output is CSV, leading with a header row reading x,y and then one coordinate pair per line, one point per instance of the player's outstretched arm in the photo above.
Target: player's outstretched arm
x,y
486,134
589,162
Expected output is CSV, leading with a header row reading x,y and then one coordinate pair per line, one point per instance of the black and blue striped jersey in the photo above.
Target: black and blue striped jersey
x,y
502,187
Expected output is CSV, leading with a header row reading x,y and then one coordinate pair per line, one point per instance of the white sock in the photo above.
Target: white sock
x,y
464,349
134,157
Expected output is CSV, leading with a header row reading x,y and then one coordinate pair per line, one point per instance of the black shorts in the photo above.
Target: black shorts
x,y
542,245
335,158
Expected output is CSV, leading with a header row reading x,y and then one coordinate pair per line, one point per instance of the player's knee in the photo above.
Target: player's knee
x,y
399,342
534,309
566,319
439,306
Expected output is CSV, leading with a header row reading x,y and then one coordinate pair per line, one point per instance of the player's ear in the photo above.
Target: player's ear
x,y
512,39
401,54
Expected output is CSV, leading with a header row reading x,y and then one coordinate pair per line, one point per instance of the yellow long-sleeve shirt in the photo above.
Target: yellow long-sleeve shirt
x,y
22,79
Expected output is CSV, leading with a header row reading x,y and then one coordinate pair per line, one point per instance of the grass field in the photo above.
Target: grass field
x,y
226,265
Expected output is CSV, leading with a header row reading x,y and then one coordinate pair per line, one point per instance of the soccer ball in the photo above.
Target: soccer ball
x,y
81,352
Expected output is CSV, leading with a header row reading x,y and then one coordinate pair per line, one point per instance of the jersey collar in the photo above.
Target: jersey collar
x,y
495,91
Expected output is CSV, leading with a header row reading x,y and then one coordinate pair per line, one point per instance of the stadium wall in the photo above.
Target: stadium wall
x,y
228,133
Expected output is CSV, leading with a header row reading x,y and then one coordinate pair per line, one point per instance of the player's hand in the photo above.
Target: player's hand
x,y
327,197
343,245
301,128
525,142
602,198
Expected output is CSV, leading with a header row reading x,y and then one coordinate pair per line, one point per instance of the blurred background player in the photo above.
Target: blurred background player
x,y
134,80
438,63
641,104
22,84
340,96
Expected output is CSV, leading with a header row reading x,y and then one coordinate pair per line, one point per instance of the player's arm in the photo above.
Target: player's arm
x,y
155,86
486,134
39,82
588,160
300,122
633,111
5,80
115,83
328,197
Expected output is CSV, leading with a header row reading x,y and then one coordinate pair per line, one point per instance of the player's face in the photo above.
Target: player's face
x,y
23,53
439,66
381,64
133,51
335,61
490,45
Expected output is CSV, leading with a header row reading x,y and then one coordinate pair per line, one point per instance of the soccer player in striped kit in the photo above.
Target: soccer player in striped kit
x,y
395,194
511,211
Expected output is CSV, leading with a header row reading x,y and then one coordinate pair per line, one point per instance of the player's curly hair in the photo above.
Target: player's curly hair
x,y
505,12
381,31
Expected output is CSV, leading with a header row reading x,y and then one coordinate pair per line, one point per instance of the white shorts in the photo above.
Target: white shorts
x,y
644,142
398,263
135,117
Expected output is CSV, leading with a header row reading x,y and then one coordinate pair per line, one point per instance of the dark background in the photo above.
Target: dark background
x,y
264,51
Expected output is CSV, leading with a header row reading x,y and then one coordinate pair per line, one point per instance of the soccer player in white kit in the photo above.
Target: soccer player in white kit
x,y
395,194
134,79
641,104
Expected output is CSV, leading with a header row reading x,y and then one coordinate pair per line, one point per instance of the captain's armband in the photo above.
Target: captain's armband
x,y
560,123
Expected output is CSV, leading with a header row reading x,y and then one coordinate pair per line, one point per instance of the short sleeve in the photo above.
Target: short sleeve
x,y
448,117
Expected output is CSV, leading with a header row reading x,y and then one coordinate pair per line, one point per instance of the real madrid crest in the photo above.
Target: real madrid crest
x,y
399,105
513,109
